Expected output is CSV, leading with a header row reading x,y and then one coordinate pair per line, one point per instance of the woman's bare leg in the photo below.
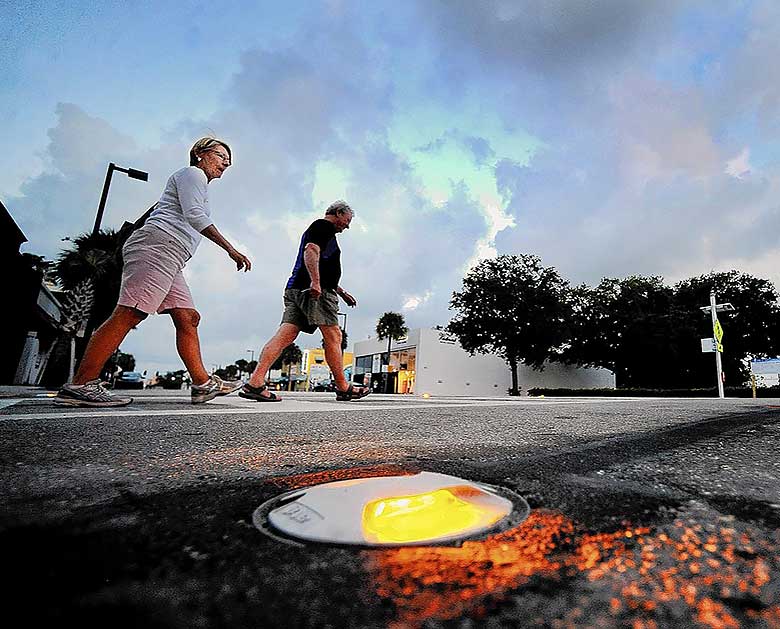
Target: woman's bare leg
x,y
186,321
105,341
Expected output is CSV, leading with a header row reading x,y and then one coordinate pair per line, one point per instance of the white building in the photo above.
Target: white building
x,y
431,361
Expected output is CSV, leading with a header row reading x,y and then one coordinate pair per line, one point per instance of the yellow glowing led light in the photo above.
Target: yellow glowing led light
x,y
421,517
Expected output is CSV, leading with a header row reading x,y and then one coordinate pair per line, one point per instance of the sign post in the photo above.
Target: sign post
x,y
717,332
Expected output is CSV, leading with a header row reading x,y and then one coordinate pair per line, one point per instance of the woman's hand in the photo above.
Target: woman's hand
x,y
242,262
212,233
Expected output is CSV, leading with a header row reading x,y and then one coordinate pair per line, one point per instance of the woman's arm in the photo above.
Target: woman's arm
x,y
212,233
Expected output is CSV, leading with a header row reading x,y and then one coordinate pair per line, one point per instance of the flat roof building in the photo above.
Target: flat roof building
x,y
431,361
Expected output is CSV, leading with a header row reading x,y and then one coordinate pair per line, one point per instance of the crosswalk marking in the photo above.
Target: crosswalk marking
x,y
239,406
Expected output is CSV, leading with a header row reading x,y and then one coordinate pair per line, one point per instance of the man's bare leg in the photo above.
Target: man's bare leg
x,y
105,341
286,334
186,321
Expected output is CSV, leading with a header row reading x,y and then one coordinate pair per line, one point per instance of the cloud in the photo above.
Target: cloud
x,y
739,166
635,166
611,137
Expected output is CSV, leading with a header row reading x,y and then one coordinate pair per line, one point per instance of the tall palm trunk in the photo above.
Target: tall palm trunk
x,y
77,306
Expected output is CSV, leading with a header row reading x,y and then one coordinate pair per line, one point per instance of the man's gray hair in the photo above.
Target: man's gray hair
x,y
339,207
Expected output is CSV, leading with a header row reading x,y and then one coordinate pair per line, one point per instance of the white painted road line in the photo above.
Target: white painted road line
x,y
242,407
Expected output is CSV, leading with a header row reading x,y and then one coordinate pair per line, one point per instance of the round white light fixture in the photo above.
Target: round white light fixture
x,y
419,509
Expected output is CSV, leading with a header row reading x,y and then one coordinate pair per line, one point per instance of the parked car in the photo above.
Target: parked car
x,y
129,380
320,387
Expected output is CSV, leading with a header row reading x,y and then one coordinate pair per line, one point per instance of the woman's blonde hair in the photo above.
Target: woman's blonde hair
x,y
206,144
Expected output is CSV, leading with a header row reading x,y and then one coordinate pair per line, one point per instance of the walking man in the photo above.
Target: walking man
x,y
311,301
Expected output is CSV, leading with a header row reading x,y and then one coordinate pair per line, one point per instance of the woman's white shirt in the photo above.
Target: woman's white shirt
x,y
183,209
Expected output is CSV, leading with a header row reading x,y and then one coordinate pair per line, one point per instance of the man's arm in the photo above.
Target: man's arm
x,y
311,259
212,233
348,299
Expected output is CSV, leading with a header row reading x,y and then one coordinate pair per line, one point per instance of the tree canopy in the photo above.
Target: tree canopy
x,y
648,333
97,258
515,308
291,355
390,326
752,330
630,326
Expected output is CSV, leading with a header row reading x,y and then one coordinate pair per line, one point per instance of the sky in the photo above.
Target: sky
x,y
609,137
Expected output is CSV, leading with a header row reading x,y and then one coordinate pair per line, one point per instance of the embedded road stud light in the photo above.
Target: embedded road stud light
x,y
419,509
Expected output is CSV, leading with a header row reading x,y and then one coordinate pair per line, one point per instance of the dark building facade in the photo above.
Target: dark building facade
x,y
32,312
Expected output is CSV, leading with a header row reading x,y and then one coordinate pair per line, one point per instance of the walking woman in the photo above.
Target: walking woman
x,y
152,281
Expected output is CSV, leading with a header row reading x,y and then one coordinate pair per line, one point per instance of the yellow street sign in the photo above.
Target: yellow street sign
x,y
718,330
720,347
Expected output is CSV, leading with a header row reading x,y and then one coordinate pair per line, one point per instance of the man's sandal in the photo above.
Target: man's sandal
x,y
352,394
256,393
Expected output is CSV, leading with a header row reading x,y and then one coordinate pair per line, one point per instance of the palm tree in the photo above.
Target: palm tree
x,y
243,366
97,258
77,306
90,272
291,355
391,325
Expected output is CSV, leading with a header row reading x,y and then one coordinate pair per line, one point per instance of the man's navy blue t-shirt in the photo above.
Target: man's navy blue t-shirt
x,y
323,234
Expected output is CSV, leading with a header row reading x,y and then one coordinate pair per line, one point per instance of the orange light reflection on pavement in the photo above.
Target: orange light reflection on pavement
x,y
633,576
310,479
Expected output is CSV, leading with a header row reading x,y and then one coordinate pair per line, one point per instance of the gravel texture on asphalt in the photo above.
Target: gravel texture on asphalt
x,y
644,514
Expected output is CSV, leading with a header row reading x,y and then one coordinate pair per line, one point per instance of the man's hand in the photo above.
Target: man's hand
x,y
242,262
315,290
348,299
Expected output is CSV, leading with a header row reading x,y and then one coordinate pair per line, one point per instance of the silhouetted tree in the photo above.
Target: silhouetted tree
x,y
515,308
243,366
172,379
648,333
96,258
290,356
229,372
629,326
391,325
751,331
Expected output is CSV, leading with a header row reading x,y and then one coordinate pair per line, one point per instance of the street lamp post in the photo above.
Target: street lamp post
x,y
131,172
251,353
717,331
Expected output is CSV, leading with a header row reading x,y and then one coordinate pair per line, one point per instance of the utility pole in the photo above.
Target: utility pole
x,y
717,332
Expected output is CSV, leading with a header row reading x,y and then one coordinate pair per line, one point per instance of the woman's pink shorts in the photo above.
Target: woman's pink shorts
x,y
152,279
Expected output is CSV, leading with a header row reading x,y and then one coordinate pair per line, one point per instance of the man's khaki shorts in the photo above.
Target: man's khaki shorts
x,y
307,313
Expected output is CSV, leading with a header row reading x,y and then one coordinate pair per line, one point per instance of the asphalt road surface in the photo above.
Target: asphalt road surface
x,y
645,513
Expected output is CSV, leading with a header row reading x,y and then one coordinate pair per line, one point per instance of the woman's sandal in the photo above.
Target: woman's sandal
x,y
255,393
352,394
